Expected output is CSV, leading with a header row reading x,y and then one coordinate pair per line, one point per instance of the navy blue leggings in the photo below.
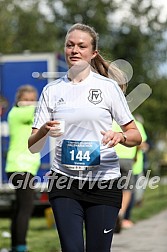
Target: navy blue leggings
x,y
99,222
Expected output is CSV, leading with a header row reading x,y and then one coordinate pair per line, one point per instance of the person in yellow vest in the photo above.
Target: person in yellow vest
x,y
126,159
138,167
138,172
21,164
131,164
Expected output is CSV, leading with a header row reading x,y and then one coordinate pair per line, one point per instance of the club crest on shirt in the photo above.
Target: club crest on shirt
x,y
95,96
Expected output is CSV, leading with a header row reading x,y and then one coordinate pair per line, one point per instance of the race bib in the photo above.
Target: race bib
x,y
80,153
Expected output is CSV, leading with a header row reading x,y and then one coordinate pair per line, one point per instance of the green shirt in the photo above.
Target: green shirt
x,y
19,158
138,165
122,151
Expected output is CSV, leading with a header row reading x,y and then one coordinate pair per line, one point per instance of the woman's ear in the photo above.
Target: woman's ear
x,y
94,54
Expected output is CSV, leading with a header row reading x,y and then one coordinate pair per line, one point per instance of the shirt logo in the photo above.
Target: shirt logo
x,y
60,101
107,231
95,96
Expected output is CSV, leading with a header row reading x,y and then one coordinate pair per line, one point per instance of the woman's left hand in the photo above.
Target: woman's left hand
x,y
111,138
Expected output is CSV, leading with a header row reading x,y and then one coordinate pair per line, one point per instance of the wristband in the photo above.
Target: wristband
x,y
124,136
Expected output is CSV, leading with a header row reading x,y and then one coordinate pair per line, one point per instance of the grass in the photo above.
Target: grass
x,y
41,238
155,201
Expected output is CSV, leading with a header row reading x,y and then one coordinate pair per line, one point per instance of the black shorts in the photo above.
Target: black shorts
x,y
106,192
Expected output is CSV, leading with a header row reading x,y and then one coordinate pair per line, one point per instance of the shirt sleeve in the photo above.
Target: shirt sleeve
x,y
119,107
42,113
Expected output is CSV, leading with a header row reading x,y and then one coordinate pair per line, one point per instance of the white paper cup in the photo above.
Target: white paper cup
x,y
61,125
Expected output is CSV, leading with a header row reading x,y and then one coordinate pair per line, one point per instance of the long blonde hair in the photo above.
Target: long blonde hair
x,y
99,64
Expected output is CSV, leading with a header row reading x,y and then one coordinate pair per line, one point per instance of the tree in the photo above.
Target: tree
x,y
140,40
142,33
24,27
93,13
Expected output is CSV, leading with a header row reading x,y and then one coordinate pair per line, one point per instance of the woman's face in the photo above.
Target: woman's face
x,y
78,48
27,98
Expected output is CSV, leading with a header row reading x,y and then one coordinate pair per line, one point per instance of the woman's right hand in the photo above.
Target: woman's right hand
x,y
53,128
38,136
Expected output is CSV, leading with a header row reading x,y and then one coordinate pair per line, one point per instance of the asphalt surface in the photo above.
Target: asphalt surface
x,y
148,235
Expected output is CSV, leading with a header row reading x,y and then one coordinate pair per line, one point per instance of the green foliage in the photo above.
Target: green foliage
x,y
140,32
155,110
25,28
39,238
154,201
93,13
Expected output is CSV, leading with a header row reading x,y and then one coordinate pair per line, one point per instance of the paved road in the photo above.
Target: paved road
x,y
145,236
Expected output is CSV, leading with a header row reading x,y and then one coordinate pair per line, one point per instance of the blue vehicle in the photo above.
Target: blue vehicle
x,y
15,70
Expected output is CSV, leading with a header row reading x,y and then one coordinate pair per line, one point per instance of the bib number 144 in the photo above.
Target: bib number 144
x,y
80,155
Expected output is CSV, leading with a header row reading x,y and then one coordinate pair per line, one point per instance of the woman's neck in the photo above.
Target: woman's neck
x,y
76,74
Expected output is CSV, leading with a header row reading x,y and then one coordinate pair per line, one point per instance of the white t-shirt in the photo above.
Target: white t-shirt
x,y
88,108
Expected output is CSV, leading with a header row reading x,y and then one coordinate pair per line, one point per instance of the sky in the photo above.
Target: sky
x,y
162,3
124,11
121,3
